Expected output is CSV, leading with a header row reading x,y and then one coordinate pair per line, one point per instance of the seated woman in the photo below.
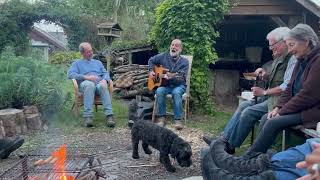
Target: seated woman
x,y
300,102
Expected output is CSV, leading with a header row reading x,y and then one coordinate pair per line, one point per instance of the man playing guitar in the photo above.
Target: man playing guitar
x,y
174,81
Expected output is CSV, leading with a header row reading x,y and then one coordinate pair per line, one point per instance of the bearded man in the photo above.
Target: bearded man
x,y
174,85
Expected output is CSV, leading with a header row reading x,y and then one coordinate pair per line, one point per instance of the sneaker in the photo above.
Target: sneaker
x,y
178,124
88,122
161,121
110,121
8,146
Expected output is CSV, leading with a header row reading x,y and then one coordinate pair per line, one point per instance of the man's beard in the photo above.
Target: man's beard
x,y
174,54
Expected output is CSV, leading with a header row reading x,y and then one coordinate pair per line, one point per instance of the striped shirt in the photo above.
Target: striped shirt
x,y
287,75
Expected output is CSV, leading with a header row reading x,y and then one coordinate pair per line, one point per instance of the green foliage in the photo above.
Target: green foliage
x,y
78,18
65,58
119,45
194,23
28,81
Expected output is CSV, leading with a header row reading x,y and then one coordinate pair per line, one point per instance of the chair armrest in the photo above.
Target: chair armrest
x,y
110,82
75,87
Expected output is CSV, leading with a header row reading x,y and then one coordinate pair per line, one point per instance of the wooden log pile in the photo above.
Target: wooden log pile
x,y
131,80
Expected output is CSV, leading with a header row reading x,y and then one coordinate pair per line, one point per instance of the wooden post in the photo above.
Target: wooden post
x,y
130,58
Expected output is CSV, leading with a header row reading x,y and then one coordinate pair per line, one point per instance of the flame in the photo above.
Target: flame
x,y
59,165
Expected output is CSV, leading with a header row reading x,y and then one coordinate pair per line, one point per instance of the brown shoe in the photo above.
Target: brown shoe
x,y
110,121
178,124
161,121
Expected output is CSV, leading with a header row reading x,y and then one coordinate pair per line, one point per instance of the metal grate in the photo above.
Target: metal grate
x,y
80,161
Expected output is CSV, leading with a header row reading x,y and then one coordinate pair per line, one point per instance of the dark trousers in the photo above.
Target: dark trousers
x,y
269,129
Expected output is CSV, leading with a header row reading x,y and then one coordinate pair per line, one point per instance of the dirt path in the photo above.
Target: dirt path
x,y
114,150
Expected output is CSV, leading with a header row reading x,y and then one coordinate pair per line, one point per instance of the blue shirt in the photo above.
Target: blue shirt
x,y
287,75
82,67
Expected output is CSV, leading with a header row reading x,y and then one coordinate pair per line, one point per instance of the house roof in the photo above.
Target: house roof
x,y
49,38
110,25
312,5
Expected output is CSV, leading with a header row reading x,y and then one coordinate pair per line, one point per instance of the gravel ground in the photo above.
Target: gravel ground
x,y
114,150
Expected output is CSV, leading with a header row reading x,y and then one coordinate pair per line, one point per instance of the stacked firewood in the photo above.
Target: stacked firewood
x,y
131,80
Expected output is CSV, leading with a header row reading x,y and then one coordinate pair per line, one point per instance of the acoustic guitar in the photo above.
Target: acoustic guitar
x,y
158,80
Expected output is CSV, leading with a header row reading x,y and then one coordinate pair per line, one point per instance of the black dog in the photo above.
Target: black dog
x,y
133,112
163,140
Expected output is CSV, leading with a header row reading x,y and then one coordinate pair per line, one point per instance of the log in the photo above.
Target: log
x,y
144,80
34,122
137,77
133,93
14,121
2,132
30,110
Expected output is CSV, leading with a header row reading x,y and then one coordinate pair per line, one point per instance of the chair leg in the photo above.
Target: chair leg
x,y
185,111
76,108
96,107
188,107
154,110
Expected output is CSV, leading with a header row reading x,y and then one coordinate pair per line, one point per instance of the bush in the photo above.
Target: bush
x,y
29,81
65,58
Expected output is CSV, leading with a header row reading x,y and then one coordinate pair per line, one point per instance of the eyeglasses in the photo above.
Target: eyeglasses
x,y
272,45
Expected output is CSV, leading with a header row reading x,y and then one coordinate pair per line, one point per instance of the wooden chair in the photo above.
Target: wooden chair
x,y
185,96
78,97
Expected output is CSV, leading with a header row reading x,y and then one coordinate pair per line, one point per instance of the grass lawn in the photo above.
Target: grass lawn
x,y
214,125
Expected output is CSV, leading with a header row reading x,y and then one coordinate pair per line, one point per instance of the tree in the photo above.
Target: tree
x,y
192,21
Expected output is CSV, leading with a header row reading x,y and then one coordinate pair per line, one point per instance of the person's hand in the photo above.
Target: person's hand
x,y
311,162
273,113
165,76
104,83
258,71
152,75
261,73
92,78
257,91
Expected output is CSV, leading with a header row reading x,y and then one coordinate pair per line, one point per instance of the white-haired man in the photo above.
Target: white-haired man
x,y
92,78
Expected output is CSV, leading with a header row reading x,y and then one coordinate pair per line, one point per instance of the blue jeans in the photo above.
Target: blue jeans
x,y
89,89
176,93
248,118
234,120
284,163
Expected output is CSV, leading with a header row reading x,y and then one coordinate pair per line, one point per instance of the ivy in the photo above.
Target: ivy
x,y
192,21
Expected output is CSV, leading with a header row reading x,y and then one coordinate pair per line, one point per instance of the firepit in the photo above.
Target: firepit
x,y
58,163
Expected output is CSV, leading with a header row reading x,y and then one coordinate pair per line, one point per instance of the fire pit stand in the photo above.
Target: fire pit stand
x,y
78,166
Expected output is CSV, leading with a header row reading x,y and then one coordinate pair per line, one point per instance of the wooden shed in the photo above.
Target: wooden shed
x,y
242,46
